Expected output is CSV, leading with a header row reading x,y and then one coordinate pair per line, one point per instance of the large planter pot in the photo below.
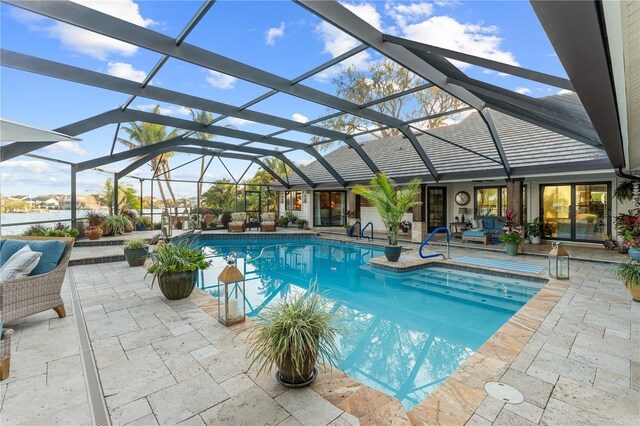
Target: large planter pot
x,y
136,257
141,228
535,240
634,290
392,253
93,232
177,285
287,376
634,253
511,249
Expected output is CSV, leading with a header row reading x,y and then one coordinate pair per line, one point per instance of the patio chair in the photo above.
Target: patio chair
x,y
22,297
238,222
268,222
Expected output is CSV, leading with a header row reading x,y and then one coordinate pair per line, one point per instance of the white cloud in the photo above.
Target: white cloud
x,y
299,118
31,166
564,92
305,161
87,42
474,39
523,90
237,122
66,147
404,14
171,110
220,81
273,33
126,71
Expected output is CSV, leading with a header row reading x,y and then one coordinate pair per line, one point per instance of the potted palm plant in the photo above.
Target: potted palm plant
x,y
392,203
136,251
175,267
629,273
292,335
96,221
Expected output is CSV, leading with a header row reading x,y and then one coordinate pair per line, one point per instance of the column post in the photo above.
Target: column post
x,y
419,225
514,199
74,197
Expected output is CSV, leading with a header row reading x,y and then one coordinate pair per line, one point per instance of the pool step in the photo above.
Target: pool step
x,y
487,287
477,297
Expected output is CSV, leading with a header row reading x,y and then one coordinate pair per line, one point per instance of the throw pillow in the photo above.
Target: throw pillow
x,y
474,224
51,250
20,264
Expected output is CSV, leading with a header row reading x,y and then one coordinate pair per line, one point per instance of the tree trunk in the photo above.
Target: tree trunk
x,y
164,198
167,176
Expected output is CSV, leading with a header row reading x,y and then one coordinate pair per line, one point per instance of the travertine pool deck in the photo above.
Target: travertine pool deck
x,y
573,350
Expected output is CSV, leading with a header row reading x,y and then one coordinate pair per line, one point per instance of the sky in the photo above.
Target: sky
x,y
277,36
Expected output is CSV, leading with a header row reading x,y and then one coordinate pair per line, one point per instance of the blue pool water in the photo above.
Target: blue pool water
x,y
404,333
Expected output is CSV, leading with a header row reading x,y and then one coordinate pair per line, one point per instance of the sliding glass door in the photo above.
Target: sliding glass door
x,y
577,211
329,208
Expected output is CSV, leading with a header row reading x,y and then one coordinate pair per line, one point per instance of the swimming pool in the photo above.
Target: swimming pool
x,y
406,333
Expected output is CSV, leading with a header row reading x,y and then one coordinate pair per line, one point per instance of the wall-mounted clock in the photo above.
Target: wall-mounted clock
x,y
463,198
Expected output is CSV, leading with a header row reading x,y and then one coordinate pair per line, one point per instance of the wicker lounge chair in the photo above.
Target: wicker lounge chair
x,y
37,293
238,222
268,222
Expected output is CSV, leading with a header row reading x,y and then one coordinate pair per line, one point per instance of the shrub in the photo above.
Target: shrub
x,y
115,224
283,221
157,225
226,218
136,243
59,230
513,238
144,221
131,214
95,218
177,258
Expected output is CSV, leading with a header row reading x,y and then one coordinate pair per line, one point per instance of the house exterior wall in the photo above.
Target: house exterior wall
x,y
532,198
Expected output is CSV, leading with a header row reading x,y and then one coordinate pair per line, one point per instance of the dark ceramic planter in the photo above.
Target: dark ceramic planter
x,y
136,257
141,228
392,253
287,377
177,285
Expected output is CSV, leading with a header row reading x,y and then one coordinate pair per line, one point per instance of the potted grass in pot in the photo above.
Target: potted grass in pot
x,y
392,202
175,267
136,251
293,335
629,273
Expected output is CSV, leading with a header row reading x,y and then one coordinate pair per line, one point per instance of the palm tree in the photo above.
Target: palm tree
x,y
143,134
126,196
391,201
202,117
263,177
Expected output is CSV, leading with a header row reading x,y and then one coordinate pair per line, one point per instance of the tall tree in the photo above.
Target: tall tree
x,y
143,134
202,117
385,78
263,177
127,197
220,195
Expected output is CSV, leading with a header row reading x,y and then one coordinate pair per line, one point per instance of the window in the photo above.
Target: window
x,y
293,201
492,200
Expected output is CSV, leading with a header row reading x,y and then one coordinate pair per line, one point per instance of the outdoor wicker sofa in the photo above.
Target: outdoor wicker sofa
x,y
268,222
36,293
238,222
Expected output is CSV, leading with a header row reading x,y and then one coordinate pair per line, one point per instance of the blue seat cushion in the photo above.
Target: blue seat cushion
x,y
489,223
51,253
470,233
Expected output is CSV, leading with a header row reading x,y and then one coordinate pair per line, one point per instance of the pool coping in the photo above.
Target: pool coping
x,y
456,399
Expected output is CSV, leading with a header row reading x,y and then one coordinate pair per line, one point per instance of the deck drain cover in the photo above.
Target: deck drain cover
x,y
504,392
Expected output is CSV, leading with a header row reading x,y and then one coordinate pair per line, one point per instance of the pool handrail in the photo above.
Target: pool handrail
x,y
350,233
364,229
426,241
